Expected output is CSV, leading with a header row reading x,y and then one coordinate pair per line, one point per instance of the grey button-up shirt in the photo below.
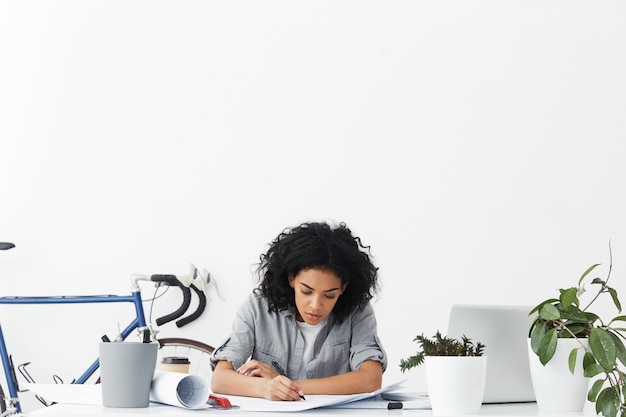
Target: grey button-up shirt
x,y
339,348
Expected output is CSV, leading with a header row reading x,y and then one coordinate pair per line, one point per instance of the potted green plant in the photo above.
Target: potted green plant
x,y
599,341
450,363
441,346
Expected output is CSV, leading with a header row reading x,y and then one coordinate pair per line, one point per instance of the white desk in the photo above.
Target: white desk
x,y
492,410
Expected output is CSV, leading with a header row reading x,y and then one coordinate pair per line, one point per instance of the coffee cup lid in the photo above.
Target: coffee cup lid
x,y
177,360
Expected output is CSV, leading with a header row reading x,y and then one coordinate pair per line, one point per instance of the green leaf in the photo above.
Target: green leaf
x,y
620,349
537,333
588,359
619,318
574,313
591,317
607,403
592,395
549,312
577,329
547,346
593,370
603,348
615,299
569,297
582,277
538,307
571,360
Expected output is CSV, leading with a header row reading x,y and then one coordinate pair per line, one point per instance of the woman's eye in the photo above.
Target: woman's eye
x,y
330,297
307,292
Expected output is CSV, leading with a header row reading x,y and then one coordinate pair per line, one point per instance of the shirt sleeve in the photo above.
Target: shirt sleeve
x,y
237,348
365,342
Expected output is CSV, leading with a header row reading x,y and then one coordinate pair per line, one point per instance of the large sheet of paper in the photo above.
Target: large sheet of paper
x,y
312,401
87,394
189,391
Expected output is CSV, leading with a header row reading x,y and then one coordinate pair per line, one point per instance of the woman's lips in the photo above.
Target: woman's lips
x,y
313,317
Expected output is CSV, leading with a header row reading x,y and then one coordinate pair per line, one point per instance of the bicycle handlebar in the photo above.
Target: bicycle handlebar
x,y
199,310
172,280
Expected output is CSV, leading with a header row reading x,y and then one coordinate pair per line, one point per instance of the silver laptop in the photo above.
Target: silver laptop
x,y
504,332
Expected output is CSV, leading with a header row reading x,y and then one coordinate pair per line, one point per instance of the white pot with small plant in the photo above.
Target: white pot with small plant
x,y
595,349
456,372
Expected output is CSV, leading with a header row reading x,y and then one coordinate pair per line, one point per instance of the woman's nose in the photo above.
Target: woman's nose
x,y
316,302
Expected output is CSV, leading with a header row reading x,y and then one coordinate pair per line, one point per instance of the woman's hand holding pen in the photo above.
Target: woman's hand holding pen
x,y
282,388
279,387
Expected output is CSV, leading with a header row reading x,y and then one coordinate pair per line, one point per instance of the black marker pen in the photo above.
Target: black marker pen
x,y
282,372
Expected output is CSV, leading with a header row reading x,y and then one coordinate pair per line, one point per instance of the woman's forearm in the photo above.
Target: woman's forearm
x,y
367,378
227,381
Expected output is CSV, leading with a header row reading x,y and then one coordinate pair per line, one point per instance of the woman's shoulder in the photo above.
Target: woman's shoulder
x,y
256,308
255,301
358,313
255,304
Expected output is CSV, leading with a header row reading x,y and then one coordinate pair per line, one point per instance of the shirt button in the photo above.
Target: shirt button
x,y
317,354
309,374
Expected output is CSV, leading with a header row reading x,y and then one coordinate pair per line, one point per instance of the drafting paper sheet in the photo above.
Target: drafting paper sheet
x,y
188,391
89,394
312,401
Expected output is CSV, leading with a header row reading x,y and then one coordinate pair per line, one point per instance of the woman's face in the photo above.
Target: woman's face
x,y
316,292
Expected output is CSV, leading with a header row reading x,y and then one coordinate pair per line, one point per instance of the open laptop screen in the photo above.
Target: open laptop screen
x,y
504,332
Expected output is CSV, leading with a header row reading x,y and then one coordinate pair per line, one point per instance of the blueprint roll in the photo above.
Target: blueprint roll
x,y
180,390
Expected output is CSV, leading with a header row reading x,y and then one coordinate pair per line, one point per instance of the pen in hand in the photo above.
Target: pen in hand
x,y
280,370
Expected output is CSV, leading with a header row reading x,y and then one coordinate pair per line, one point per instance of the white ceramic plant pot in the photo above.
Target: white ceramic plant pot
x,y
556,389
456,384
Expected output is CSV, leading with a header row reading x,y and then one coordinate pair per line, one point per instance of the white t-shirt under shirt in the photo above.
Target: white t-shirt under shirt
x,y
309,333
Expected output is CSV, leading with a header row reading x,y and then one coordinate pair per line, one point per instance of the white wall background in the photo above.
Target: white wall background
x,y
477,146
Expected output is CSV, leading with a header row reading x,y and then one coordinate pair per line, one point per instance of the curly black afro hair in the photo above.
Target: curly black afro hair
x,y
318,246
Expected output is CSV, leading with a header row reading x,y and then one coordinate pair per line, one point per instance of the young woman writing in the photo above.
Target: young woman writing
x,y
309,327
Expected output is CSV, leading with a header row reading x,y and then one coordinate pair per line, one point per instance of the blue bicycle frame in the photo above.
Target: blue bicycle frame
x,y
184,282
138,323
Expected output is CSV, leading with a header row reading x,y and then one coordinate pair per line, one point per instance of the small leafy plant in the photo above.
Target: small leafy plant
x,y
564,317
441,346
